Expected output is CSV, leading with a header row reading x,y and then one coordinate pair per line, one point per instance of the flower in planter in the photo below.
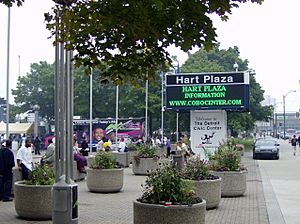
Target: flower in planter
x,y
164,186
41,175
197,169
104,160
226,158
146,151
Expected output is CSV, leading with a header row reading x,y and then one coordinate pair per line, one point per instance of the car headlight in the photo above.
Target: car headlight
x,y
274,150
257,149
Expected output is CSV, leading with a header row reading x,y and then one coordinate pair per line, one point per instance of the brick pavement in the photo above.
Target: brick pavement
x,y
117,208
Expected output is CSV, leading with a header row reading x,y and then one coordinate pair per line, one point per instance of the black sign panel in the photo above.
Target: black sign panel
x,y
207,79
206,91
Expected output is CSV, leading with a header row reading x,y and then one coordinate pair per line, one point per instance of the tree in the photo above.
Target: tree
x,y
218,60
37,87
127,41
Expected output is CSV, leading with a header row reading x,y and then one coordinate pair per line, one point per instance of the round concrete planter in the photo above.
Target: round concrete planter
x,y
233,182
176,214
104,180
33,201
210,191
143,165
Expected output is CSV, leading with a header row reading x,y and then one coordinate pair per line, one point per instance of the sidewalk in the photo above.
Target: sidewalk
x,y
118,208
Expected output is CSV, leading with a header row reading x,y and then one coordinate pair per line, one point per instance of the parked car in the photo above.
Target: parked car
x,y
266,148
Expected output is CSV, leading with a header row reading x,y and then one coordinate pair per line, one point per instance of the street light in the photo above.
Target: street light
x,y
284,96
236,66
36,119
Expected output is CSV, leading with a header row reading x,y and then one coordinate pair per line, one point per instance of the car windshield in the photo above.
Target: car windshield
x,y
265,143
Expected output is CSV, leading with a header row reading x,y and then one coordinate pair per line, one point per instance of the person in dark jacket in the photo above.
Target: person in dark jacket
x,y
7,162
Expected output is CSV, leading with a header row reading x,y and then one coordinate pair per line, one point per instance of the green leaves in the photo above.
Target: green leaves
x,y
131,38
104,160
41,175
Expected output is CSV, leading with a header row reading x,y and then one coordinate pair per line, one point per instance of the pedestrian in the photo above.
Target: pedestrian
x,y
84,146
37,145
49,156
24,159
294,143
7,162
168,146
122,146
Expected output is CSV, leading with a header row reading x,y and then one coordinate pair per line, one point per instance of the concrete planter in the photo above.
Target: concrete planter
x,y
104,180
141,166
176,214
122,158
233,182
210,191
131,155
33,201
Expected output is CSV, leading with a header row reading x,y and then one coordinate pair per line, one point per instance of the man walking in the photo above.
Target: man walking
x,y
294,143
24,159
7,162
37,145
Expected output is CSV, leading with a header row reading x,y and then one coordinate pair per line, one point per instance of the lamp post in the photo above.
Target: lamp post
x,y
284,96
7,75
36,119
236,66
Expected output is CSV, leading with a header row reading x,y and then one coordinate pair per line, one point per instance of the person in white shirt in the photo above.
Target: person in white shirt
x,y
122,145
24,159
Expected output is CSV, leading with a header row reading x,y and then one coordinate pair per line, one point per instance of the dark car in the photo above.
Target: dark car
x,y
266,148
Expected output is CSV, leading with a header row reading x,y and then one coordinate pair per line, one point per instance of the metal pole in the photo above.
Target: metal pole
x,y
91,111
19,57
283,117
162,107
71,78
146,110
62,116
68,114
56,106
177,126
7,75
117,111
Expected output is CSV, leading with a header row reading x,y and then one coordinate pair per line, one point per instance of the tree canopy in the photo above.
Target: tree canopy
x,y
37,87
127,40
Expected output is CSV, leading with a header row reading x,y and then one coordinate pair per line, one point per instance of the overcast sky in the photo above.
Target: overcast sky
x,y
267,35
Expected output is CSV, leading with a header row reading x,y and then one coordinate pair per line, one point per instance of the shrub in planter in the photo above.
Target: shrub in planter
x,y
226,163
167,198
145,160
207,186
104,175
33,197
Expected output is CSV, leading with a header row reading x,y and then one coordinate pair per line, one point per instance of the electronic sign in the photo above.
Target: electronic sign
x,y
206,91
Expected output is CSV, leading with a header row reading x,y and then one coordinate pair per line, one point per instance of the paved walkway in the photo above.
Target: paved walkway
x,y
118,208
281,178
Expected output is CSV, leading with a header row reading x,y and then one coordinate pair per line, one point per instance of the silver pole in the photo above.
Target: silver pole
x,y
91,111
117,111
56,105
7,75
71,112
284,117
19,57
62,117
69,125
177,126
162,107
146,110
